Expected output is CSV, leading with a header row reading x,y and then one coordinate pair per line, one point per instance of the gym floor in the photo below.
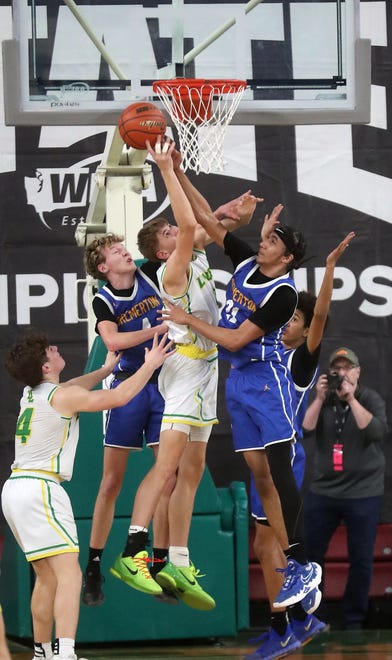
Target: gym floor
x,y
336,645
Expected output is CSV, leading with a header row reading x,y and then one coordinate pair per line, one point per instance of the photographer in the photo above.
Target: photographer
x,y
347,482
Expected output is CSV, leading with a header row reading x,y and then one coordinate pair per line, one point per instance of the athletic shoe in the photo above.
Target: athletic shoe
x,y
92,594
306,630
167,597
312,600
182,580
274,645
299,581
67,657
39,654
134,572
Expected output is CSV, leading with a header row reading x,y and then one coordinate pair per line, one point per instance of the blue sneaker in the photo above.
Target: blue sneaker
x,y
274,645
299,581
306,630
312,600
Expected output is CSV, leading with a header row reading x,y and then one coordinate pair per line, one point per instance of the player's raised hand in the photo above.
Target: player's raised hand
x,y
112,359
334,256
159,351
176,157
240,209
162,152
270,221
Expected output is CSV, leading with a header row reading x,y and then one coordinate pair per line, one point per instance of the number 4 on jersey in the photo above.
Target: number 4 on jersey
x,y
23,425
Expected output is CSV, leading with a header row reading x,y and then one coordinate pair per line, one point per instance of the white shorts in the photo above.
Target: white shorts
x,y
195,433
39,513
189,388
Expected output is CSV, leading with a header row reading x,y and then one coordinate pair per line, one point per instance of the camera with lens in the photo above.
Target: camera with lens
x,y
334,381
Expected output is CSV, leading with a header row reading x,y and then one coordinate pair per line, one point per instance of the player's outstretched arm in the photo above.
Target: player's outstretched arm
x,y
233,214
175,277
321,308
232,340
238,212
73,399
119,341
93,378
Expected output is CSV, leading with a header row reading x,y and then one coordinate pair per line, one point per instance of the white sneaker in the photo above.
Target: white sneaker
x,y
312,600
67,657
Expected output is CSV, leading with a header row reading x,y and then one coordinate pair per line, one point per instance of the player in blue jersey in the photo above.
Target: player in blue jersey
x,y
189,387
260,299
302,340
126,312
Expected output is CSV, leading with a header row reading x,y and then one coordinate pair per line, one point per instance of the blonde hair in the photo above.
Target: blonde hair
x,y
93,254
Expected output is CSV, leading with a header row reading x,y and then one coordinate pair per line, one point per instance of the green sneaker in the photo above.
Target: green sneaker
x,y
134,572
182,580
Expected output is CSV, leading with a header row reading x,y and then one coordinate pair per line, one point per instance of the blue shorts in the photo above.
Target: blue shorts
x,y
298,461
139,419
260,398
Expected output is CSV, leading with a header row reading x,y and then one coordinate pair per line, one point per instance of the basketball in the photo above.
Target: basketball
x,y
140,122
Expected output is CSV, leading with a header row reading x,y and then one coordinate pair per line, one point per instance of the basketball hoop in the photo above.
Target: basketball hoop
x,y
200,110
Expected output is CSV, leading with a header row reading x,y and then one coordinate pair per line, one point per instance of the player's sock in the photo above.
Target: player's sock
x,y
179,555
279,622
297,612
94,560
296,551
43,650
136,541
159,558
64,647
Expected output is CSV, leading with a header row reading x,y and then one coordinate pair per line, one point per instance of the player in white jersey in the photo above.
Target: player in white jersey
x,y
188,383
35,505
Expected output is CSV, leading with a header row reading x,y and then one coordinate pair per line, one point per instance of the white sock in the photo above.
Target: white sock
x,y
66,647
133,529
178,555
43,650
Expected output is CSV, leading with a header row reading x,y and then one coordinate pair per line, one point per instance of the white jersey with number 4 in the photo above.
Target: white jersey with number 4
x,y
44,439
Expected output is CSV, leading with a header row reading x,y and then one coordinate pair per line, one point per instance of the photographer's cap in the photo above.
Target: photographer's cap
x,y
345,353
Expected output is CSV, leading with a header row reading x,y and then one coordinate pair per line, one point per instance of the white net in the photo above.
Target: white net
x,y
201,111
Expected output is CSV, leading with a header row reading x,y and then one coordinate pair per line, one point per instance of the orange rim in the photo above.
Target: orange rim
x,y
181,85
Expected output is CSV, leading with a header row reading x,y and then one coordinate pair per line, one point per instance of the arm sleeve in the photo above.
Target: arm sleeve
x,y
237,249
277,311
304,365
102,312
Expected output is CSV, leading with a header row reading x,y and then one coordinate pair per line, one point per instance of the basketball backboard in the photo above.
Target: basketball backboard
x,y
83,62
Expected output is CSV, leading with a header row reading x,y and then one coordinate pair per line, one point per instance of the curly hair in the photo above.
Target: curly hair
x,y
306,303
93,254
147,238
25,359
